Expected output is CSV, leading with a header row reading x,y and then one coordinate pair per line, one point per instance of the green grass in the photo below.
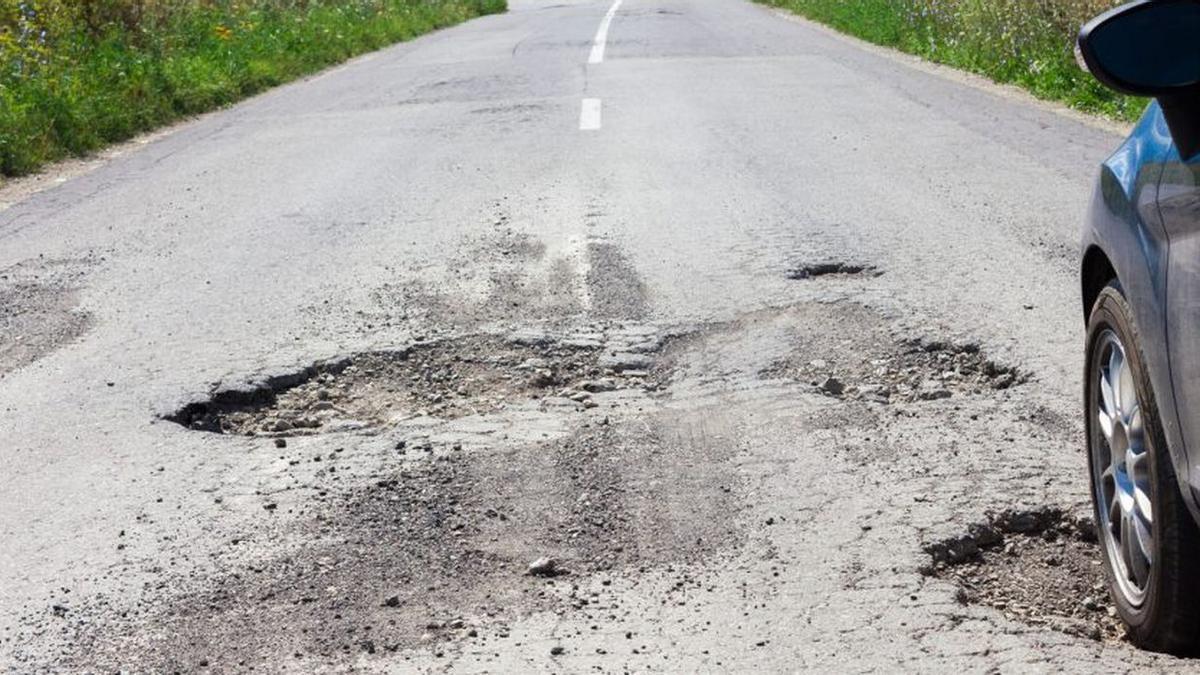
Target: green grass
x,y
1029,43
76,75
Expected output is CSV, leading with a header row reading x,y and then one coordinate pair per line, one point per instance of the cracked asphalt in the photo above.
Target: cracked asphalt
x,y
756,346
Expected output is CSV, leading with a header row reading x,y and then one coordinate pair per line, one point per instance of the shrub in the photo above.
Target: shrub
x,y
78,74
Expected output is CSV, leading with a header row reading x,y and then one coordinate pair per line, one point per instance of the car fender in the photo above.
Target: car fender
x,y
1123,224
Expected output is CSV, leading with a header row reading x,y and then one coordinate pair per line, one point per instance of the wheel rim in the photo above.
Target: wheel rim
x,y
1121,464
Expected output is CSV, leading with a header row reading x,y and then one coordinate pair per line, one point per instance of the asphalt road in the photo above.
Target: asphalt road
x,y
533,218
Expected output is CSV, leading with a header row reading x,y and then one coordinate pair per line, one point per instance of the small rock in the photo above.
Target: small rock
x,y
832,386
542,379
393,601
1074,627
985,535
556,650
599,386
544,567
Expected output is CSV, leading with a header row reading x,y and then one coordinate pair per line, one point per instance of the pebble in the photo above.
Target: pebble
x,y
599,386
544,567
541,379
832,386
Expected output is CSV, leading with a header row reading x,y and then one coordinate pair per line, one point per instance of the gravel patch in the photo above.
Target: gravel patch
x,y
445,379
1040,567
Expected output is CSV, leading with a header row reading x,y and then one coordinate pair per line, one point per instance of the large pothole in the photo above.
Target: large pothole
x,y
447,379
1041,567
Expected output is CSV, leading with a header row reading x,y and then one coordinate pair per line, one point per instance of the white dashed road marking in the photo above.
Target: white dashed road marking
x,y
589,115
597,55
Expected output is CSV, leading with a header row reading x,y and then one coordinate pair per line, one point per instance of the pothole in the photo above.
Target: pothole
x,y
832,268
845,352
1041,567
446,379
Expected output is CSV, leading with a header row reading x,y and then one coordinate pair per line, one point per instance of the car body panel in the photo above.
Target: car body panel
x,y
1179,208
1125,223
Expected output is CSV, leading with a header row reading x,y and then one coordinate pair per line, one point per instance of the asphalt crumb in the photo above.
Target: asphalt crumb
x,y
434,555
39,310
447,379
1041,567
615,288
847,351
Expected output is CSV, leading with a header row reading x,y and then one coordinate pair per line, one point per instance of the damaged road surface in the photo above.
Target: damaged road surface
x,y
398,369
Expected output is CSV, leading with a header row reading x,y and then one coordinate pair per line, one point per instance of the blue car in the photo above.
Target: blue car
x,y
1140,279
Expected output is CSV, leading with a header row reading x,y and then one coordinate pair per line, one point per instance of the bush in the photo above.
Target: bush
x,y
78,74
1025,42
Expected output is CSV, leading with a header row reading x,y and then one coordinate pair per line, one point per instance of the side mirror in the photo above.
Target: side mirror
x,y
1151,48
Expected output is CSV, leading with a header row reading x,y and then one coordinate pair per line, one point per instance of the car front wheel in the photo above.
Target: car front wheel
x,y
1148,539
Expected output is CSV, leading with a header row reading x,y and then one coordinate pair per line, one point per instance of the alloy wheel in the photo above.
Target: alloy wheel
x,y
1121,462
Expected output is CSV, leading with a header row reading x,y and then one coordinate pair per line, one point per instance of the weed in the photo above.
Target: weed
x,y
76,75
1029,43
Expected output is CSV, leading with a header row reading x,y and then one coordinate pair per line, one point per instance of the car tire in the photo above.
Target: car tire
x,y
1159,601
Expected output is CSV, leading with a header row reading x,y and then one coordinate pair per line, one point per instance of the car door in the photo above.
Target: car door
x,y
1179,209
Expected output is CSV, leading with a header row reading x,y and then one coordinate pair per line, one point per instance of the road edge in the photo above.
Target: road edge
x,y
15,190
1008,91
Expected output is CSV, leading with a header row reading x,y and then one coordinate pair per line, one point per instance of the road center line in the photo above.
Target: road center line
x,y
589,115
597,55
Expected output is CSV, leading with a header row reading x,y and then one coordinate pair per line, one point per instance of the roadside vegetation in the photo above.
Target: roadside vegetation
x,y
76,75
1029,43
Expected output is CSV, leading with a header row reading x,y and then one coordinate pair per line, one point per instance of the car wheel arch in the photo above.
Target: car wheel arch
x,y
1096,272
